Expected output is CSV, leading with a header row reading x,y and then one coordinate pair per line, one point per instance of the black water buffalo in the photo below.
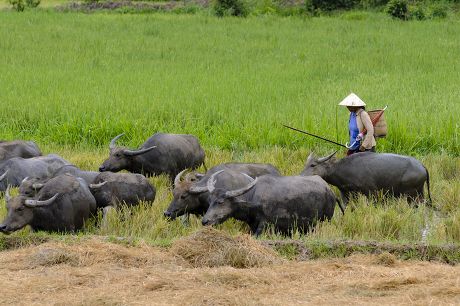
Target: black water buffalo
x,y
18,148
369,173
62,205
13,171
112,189
30,186
88,176
191,194
161,153
286,202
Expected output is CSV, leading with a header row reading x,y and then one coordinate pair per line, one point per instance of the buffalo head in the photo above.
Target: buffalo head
x,y
20,211
30,186
318,166
186,195
120,158
221,201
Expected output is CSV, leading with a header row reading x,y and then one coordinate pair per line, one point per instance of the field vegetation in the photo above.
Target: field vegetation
x,y
79,80
71,82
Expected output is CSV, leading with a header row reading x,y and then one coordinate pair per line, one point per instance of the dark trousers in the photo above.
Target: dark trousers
x,y
349,152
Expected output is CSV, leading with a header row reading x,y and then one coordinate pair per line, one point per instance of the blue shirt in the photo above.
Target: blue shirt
x,y
354,131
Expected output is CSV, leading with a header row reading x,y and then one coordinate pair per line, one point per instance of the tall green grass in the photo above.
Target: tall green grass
x,y
78,80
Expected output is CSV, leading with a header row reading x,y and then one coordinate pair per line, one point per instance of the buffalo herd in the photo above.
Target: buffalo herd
x,y
56,196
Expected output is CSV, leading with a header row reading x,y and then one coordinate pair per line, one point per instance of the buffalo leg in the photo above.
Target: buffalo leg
x,y
260,228
345,197
413,197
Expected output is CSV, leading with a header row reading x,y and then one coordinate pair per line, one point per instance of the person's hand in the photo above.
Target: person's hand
x,y
359,137
362,149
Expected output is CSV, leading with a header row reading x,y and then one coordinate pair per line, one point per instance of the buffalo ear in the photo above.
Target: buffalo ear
x,y
199,175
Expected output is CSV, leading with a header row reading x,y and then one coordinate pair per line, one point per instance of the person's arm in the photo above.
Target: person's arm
x,y
367,123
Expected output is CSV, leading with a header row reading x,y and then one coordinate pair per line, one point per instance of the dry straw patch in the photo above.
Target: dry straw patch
x,y
85,253
209,247
96,272
386,259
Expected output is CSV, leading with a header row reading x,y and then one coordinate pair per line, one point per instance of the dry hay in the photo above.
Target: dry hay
x,y
210,247
82,254
52,256
386,259
96,272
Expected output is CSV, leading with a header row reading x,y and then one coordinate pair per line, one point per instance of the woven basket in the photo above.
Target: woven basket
x,y
380,127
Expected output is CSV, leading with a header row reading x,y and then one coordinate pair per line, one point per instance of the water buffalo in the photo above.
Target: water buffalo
x,y
88,176
161,153
111,189
54,161
18,148
15,170
62,205
191,194
30,186
287,202
369,173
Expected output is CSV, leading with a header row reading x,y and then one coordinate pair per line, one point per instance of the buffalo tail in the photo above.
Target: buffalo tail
x,y
430,202
340,205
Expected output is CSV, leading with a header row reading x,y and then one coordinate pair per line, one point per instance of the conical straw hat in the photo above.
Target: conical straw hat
x,y
352,100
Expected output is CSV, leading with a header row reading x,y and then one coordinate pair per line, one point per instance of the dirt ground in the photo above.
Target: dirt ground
x,y
96,272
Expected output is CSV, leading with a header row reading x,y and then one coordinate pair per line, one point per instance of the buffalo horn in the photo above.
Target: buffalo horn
x,y
198,189
238,192
310,158
38,203
137,152
112,142
210,184
37,185
4,175
7,193
248,176
94,186
178,177
323,159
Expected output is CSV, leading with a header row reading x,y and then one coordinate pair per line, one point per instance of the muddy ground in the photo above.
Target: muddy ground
x,y
96,272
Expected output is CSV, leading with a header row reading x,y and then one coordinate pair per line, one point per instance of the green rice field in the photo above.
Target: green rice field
x,y
72,81
78,80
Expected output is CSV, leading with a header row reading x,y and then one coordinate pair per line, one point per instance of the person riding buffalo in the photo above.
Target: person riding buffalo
x,y
359,120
